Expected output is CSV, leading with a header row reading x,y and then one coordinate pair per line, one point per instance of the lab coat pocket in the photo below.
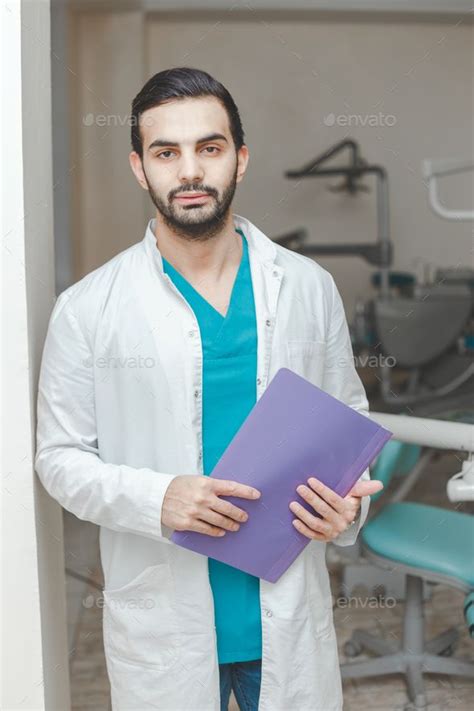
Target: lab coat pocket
x,y
307,358
140,619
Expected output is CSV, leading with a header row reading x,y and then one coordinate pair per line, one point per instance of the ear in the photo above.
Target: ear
x,y
242,162
137,168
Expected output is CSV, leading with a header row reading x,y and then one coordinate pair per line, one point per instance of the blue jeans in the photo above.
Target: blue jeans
x,y
244,679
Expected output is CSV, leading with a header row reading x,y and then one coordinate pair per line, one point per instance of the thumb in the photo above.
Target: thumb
x,y
366,488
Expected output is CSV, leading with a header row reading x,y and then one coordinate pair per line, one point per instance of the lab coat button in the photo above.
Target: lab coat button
x,y
268,322
196,393
190,334
275,274
268,612
259,382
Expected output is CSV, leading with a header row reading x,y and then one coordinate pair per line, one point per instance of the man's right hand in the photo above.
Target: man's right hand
x,y
192,503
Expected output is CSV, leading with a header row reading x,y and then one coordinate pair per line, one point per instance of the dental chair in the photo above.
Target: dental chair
x,y
402,465
428,545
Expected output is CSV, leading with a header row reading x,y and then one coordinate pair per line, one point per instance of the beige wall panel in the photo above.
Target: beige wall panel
x,y
301,85
108,203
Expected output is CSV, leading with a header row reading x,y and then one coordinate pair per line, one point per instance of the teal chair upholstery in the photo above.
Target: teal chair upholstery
x,y
469,612
425,543
395,459
427,538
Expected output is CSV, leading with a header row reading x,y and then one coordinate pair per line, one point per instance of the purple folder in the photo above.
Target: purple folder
x,y
294,431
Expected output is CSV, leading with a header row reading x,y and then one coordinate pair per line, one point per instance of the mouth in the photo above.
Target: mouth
x,y
192,197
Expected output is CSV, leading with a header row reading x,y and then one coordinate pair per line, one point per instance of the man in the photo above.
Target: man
x,y
151,364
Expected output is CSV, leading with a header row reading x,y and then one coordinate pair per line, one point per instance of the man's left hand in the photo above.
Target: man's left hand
x,y
337,512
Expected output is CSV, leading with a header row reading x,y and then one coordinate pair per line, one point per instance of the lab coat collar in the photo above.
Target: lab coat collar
x,y
259,244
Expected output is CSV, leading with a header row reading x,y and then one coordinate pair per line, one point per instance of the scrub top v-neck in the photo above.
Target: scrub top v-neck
x,y
229,345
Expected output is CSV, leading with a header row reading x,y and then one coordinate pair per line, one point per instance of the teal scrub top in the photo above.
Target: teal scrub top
x,y
229,347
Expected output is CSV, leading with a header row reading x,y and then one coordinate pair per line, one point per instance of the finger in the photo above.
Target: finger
x,y
227,509
330,496
203,527
303,528
225,487
312,522
317,503
366,488
352,510
219,520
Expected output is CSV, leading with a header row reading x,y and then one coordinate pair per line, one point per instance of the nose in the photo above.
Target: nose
x,y
190,169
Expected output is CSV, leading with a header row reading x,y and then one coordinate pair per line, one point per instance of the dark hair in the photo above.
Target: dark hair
x,y
181,83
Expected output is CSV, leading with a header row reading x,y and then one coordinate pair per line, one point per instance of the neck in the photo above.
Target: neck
x,y
195,259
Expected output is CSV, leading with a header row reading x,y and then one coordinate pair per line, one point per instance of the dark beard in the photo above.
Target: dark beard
x,y
204,229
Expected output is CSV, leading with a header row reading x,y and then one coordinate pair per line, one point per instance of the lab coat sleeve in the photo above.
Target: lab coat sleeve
x,y
342,381
119,497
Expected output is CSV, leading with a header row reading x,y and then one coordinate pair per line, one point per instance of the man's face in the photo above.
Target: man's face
x,y
188,151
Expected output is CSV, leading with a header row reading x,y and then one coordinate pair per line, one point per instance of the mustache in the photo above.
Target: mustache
x,y
193,189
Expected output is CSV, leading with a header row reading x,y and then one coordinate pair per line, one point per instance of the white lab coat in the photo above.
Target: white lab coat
x,y
119,416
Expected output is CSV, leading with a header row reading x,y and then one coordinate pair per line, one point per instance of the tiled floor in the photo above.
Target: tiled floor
x,y
444,610
90,689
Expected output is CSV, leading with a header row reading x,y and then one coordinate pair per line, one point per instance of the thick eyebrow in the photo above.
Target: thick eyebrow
x,y
160,143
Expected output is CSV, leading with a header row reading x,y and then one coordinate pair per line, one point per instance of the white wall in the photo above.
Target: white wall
x,y
34,659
